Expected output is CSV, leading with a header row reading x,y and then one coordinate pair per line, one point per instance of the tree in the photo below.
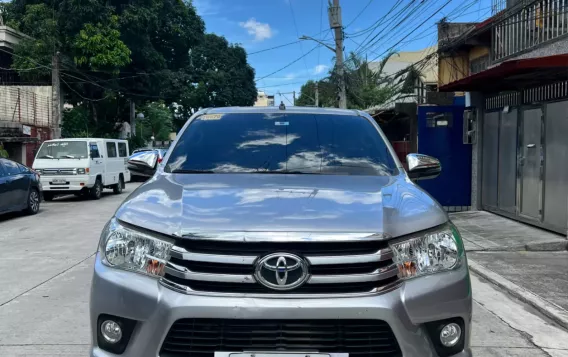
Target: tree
x,y
157,121
327,94
114,52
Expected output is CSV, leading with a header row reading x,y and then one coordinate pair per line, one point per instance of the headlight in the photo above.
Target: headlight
x,y
39,171
82,171
431,252
128,249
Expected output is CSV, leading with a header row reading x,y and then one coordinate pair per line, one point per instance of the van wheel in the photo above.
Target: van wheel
x,y
117,189
48,196
96,191
33,202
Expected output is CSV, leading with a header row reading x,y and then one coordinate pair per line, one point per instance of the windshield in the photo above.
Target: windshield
x,y
63,150
280,143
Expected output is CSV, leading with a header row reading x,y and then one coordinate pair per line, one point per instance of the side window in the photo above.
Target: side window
x,y
122,152
94,149
111,149
11,167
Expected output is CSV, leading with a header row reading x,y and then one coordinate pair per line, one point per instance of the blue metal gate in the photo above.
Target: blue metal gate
x,y
440,134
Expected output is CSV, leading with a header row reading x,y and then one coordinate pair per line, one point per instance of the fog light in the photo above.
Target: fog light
x,y
450,335
111,331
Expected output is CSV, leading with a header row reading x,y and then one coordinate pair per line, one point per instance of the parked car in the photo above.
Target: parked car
x,y
82,166
271,231
143,163
20,188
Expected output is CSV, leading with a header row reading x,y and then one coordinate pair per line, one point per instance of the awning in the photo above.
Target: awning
x,y
514,75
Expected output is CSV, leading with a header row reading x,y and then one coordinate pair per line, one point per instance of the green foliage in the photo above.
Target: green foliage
x,y
3,153
99,46
75,123
327,94
157,121
114,52
136,142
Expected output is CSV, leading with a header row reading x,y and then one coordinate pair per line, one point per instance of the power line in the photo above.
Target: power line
x,y
274,48
359,14
289,64
298,33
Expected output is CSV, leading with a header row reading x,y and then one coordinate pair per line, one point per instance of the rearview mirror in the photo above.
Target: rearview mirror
x,y
423,167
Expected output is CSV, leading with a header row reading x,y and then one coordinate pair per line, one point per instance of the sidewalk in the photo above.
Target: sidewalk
x,y
529,263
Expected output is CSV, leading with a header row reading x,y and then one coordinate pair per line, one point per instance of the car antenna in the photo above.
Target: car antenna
x,y
282,106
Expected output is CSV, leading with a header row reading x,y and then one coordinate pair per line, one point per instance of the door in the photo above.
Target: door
x,y
97,161
18,184
4,204
111,162
531,163
440,134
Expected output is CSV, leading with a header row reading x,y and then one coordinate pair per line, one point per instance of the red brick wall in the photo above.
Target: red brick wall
x,y
31,148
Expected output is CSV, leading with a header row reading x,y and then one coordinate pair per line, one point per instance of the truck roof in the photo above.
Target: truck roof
x,y
275,109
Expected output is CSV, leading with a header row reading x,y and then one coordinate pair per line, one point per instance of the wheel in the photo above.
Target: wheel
x,y
33,202
117,189
48,196
97,190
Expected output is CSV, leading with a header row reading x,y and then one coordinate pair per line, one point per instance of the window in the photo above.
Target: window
x,y
94,148
304,143
122,152
111,149
436,120
11,167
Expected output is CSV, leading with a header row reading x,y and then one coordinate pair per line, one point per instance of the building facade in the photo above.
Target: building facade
x,y
513,68
264,100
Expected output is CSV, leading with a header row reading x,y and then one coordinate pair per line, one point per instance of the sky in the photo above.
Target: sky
x,y
262,24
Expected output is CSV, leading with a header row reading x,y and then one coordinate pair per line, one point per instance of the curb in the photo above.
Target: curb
x,y
550,310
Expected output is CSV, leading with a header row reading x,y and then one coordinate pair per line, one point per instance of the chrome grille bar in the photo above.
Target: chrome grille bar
x,y
379,274
184,273
381,255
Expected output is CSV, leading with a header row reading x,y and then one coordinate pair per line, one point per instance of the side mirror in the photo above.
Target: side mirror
x,y
423,167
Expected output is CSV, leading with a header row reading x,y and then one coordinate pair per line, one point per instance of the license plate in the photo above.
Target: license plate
x,y
279,354
58,182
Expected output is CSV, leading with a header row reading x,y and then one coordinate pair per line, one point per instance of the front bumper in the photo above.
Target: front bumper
x,y
156,308
73,183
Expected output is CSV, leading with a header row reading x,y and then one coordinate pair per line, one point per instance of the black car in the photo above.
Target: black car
x,y
20,188
143,163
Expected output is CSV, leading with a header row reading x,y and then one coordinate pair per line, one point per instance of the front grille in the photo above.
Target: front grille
x,y
57,172
202,337
228,266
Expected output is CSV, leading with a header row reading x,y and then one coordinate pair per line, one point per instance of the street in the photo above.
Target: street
x,y
44,302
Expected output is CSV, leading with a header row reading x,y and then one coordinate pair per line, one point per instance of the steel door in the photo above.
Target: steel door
x,y
440,134
531,164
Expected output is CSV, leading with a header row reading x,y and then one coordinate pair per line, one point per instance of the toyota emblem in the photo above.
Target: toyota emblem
x,y
281,271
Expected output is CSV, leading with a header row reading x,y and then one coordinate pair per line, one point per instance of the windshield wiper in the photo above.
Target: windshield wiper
x,y
70,156
189,171
46,157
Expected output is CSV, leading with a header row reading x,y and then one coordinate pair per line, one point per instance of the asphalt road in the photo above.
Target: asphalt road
x,y
46,264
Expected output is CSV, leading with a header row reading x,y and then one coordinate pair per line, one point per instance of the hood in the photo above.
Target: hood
x,y
182,204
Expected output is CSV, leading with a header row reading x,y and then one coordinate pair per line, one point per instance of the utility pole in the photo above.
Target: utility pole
x,y
132,119
294,98
317,95
336,24
55,97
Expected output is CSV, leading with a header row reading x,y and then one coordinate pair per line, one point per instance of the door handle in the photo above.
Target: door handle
x,y
531,146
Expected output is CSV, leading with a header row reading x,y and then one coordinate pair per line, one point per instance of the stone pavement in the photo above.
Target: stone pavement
x,y
529,263
484,231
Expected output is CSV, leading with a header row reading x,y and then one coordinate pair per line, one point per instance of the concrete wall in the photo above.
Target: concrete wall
x,y
451,69
478,51
26,104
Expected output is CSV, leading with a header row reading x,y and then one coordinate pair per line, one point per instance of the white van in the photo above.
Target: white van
x,y
82,166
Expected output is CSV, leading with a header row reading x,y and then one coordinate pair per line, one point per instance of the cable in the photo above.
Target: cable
x,y
80,95
298,34
289,64
359,14
273,48
321,25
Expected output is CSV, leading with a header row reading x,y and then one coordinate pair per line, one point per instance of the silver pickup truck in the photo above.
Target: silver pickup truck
x,y
282,232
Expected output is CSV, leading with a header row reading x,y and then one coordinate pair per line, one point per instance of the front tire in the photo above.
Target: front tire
x,y
97,190
34,200
48,196
117,189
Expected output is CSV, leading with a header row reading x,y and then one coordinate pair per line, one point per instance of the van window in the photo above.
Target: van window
x,y
122,152
94,151
111,149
